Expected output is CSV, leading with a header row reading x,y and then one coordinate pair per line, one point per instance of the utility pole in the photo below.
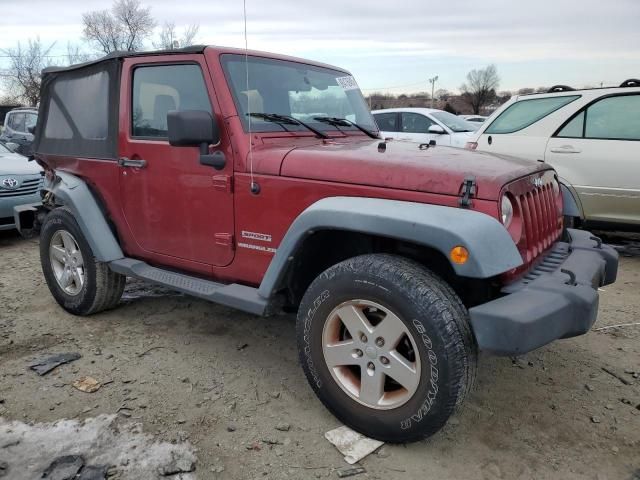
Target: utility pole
x,y
433,81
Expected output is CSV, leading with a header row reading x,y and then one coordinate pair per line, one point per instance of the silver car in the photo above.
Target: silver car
x,y
20,183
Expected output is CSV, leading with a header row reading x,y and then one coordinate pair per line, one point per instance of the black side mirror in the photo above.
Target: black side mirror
x,y
196,128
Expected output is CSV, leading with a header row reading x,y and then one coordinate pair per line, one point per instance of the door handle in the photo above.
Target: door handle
x,y
126,162
565,149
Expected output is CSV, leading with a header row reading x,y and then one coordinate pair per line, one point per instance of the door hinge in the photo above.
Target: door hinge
x,y
224,240
224,183
468,190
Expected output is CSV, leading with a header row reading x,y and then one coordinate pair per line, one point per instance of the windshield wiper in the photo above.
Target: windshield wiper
x,y
287,120
343,122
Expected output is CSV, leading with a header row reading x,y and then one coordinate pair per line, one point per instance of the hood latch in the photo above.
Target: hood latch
x,y
468,191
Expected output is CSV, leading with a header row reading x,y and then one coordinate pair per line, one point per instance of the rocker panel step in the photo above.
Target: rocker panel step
x,y
232,295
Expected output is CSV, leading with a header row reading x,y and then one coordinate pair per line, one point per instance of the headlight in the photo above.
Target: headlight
x,y
506,210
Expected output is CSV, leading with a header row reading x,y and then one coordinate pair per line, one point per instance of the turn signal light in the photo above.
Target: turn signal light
x,y
459,255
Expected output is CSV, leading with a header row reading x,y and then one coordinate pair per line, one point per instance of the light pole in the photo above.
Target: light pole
x,y
433,81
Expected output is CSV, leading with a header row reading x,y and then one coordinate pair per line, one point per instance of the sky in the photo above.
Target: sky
x,y
392,46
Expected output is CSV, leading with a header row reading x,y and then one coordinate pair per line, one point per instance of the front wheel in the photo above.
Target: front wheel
x,y
78,282
386,346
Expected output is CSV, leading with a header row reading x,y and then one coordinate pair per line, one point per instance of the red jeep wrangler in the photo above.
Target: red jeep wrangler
x,y
260,182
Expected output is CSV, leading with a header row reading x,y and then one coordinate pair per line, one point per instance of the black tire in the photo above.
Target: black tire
x,y
102,288
430,311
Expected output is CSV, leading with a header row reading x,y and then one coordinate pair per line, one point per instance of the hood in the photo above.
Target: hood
x,y
402,165
14,164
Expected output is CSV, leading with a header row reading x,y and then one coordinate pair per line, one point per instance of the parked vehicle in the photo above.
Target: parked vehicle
x,y
19,125
20,183
194,170
421,125
591,137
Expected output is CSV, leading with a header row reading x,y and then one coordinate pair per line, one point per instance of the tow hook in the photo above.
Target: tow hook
x,y
572,277
598,240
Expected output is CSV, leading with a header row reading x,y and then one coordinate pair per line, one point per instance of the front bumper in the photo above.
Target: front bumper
x,y
7,205
556,299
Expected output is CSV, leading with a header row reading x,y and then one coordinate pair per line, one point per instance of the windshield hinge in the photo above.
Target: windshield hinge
x,y
468,190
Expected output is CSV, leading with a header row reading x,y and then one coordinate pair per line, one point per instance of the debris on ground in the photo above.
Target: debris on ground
x,y
64,468
350,471
611,372
87,384
45,365
108,442
94,472
4,469
283,427
353,445
177,465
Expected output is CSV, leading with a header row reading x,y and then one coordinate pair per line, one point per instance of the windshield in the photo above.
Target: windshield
x,y
294,89
454,122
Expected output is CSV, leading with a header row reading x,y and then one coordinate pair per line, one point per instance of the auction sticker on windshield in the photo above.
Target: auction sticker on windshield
x,y
347,83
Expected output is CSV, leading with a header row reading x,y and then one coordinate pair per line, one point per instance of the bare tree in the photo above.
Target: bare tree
x,y
76,55
169,38
480,88
125,27
442,94
22,77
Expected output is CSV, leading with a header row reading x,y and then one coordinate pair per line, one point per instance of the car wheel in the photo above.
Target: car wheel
x,y
79,283
386,345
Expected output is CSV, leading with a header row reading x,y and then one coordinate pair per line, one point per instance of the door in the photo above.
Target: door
x,y
523,128
415,128
388,123
598,152
174,206
15,125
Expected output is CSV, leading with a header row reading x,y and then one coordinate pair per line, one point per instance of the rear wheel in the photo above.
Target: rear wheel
x,y
386,346
79,283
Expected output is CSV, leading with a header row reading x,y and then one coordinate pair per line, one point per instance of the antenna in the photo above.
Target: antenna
x,y
255,188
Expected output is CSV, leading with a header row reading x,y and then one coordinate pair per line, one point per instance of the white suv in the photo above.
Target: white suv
x,y
592,139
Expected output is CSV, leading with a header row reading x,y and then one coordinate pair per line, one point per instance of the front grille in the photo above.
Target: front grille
x,y
540,215
28,187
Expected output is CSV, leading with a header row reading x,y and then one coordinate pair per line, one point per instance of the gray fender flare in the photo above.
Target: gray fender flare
x,y
73,193
571,206
491,248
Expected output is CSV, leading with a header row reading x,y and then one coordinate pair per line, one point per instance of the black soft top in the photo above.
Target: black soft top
x,y
125,54
78,115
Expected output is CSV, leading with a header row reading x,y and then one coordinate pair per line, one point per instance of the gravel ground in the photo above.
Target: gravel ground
x,y
227,388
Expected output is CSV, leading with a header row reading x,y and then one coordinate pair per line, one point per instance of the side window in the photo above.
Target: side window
x,y
159,89
387,122
30,121
614,118
524,113
16,122
573,129
415,123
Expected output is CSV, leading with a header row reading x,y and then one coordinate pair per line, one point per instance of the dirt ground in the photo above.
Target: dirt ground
x,y
217,383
